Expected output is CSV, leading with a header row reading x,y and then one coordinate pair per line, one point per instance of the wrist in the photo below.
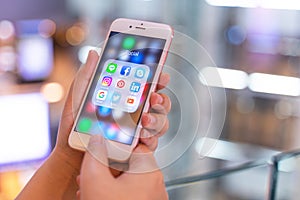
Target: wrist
x,y
71,157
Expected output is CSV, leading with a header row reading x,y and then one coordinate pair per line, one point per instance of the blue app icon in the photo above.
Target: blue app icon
x,y
125,71
111,132
140,73
135,87
116,97
104,111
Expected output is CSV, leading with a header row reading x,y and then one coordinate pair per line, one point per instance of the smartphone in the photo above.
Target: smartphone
x,y
128,69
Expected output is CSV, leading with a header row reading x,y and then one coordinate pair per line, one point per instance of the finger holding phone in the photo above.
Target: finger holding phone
x,y
143,180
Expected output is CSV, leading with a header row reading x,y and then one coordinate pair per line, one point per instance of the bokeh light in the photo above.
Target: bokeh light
x,y
75,35
7,29
52,92
47,28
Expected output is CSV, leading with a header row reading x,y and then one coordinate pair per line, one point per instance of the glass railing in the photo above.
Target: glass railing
x,y
276,178
285,176
227,183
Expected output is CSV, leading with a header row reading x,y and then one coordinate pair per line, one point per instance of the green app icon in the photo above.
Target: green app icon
x,y
85,125
128,43
111,68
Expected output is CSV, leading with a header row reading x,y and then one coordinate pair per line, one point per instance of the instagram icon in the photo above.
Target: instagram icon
x,y
106,81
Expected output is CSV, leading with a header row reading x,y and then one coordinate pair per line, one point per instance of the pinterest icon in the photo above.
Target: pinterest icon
x,y
120,83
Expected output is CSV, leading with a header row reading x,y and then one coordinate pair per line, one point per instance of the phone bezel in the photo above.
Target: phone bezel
x,y
116,150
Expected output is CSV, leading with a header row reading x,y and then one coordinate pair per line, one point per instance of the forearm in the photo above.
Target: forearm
x,y
55,179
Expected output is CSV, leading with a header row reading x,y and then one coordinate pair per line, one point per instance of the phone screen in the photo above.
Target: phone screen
x,y
119,89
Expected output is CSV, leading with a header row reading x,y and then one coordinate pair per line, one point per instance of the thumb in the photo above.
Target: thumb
x,y
82,80
95,173
96,150
142,160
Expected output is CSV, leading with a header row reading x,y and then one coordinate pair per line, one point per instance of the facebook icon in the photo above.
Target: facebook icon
x,y
125,71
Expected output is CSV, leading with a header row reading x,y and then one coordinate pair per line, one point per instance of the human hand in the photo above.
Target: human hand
x,y
155,122
72,104
143,180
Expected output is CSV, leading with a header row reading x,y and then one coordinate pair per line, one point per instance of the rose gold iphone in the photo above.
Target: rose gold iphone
x,y
128,69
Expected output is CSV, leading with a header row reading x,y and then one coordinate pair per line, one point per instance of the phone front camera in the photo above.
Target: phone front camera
x,y
130,26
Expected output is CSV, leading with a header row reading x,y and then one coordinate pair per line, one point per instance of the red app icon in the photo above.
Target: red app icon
x,y
130,100
120,83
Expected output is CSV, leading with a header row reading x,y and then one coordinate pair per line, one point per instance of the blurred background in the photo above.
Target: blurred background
x,y
254,44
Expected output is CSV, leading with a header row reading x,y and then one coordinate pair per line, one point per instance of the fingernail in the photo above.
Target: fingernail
x,y
159,99
158,107
152,119
146,119
95,140
145,134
